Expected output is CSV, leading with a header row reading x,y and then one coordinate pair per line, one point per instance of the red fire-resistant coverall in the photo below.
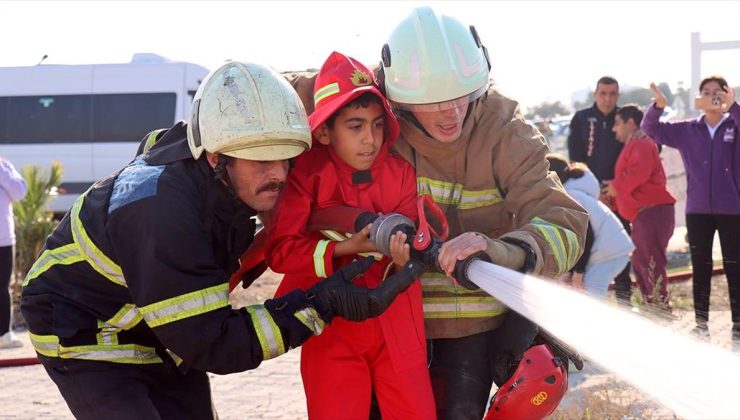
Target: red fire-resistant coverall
x,y
387,353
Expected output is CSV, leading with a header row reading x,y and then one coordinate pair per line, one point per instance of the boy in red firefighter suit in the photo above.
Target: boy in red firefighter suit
x,y
350,165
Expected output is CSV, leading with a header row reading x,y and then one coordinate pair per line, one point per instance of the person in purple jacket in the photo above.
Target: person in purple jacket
x,y
12,188
710,148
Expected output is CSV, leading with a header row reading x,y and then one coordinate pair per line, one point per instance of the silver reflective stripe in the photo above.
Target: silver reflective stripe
x,y
108,335
48,345
126,318
64,255
187,305
462,307
268,333
97,260
452,193
123,353
311,319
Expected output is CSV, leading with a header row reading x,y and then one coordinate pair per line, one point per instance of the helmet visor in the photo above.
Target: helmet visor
x,y
445,105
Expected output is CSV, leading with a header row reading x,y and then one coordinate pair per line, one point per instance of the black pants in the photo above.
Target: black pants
x,y
701,228
102,390
6,270
623,281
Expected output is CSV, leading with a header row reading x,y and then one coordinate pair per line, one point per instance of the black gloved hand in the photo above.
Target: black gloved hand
x,y
337,296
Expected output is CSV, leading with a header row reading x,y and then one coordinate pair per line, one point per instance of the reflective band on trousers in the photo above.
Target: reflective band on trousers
x,y
64,255
48,345
268,333
97,260
554,234
185,306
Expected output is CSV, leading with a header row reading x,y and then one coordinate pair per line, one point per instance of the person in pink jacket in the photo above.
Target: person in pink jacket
x,y
642,197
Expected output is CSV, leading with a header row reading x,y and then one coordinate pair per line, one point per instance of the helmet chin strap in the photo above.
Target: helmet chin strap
x,y
221,173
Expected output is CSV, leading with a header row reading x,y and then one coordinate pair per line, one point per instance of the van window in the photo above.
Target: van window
x,y
48,119
84,118
129,117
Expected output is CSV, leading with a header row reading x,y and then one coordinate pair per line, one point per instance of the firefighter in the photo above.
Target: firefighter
x,y
127,305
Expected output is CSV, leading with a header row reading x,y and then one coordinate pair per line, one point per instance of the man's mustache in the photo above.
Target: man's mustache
x,y
272,186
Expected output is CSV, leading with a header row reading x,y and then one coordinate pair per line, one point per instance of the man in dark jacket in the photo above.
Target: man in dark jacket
x,y
127,305
592,141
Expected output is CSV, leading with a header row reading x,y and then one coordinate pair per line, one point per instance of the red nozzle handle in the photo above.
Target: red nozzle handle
x,y
424,232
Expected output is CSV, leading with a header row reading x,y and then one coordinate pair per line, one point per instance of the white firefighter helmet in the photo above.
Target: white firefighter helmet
x,y
434,62
248,111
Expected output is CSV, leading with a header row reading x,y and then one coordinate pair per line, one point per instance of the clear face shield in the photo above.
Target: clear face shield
x,y
443,106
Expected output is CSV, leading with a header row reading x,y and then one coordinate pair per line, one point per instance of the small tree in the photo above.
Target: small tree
x,y
33,223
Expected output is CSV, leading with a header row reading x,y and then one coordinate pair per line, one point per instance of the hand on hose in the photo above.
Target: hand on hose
x,y
500,252
302,314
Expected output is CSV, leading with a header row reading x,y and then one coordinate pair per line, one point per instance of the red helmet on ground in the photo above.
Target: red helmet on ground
x,y
534,390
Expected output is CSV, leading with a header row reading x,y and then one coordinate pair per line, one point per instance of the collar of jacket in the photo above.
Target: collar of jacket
x,y
170,147
610,115
427,146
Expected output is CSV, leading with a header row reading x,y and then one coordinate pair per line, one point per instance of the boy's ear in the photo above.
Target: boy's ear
x,y
322,134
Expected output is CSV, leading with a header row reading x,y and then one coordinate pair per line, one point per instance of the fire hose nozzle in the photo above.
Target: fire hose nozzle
x,y
385,226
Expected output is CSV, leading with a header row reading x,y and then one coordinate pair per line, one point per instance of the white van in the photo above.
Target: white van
x,y
91,117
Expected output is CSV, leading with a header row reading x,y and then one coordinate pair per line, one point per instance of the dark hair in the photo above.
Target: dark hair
x,y
607,80
630,111
362,101
565,170
719,79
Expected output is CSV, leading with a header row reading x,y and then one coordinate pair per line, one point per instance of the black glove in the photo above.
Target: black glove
x,y
337,296
513,338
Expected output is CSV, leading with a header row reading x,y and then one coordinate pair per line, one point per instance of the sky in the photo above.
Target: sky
x,y
540,51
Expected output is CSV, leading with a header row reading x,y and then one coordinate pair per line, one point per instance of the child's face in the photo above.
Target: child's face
x,y
357,135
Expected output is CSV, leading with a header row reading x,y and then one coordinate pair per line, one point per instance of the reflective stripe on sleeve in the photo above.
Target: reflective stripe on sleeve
x,y
311,319
97,260
553,234
126,318
318,258
268,332
64,255
185,306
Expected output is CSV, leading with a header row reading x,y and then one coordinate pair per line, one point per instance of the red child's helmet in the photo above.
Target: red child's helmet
x,y
534,390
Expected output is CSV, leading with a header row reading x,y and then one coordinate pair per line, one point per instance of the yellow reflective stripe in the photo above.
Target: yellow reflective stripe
x,y
48,345
550,232
436,282
326,91
311,319
573,247
452,193
97,260
122,353
482,198
64,255
126,318
177,359
268,333
108,335
334,235
318,258
185,306
462,307
151,140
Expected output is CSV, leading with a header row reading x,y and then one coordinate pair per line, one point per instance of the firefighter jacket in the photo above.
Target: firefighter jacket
x,y
493,180
322,179
137,271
